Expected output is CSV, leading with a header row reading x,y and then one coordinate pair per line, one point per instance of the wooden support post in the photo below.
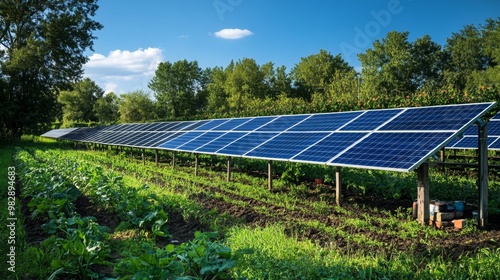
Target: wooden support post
x,y
173,159
131,153
338,185
143,157
196,163
423,214
228,169
483,175
270,175
156,158
442,157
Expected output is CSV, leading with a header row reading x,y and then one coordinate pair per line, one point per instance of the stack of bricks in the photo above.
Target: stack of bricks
x,y
442,218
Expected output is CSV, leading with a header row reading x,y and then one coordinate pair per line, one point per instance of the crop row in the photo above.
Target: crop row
x,y
79,246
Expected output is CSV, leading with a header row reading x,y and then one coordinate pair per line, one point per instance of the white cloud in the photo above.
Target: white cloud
x,y
233,33
123,71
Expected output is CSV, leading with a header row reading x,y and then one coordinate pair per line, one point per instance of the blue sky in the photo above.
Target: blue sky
x,y
137,35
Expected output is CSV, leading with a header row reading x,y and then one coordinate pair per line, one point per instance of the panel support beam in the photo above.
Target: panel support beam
x,y
196,163
483,174
173,158
338,185
423,214
228,169
131,153
156,158
270,175
143,155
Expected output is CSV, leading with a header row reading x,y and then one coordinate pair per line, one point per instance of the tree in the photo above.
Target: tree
x,y
314,73
106,108
473,56
78,104
175,86
136,107
217,96
395,66
42,45
244,83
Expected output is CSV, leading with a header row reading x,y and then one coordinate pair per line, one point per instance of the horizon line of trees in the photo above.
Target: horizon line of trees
x,y
42,53
395,72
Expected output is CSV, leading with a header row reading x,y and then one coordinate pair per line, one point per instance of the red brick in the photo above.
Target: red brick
x,y
459,224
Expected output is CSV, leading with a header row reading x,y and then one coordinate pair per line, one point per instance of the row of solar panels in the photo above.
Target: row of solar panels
x,y
391,139
470,137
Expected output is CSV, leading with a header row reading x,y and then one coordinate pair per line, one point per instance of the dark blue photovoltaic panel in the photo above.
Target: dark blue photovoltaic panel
x,y
392,150
286,145
254,124
496,144
57,133
493,128
211,124
436,118
193,125
453,142
200,141
168,136
469,143
496,116
472,130
220,142
325,122
327,148
231,124
370,120
282,123
174,143
146,138
246,143
159,136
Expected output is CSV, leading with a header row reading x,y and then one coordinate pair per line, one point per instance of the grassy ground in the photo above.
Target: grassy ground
x,y
296,231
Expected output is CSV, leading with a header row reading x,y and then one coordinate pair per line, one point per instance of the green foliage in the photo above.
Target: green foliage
x,y
43,51
201,258
78,104
136,107
106,108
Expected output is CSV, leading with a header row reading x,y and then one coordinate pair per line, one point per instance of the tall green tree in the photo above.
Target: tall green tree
x,y
42,51
136,106
313,74
175,86
473,56
395,66
217,99
106,108
78,104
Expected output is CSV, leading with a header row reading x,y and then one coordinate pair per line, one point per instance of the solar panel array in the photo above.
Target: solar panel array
x,y
390,139
469,140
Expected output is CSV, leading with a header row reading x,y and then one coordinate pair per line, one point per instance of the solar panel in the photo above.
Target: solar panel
x,y
282,123
433,118
245,143
254,123
326,122
178,141
231,124
220,142
57,133
286,145
472,133
328,147
391,139
392,151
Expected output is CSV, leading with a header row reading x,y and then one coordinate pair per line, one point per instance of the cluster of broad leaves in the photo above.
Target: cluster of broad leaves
x,y
201,258
76,243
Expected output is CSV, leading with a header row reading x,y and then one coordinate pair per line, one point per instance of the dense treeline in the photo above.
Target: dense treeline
x,y
396,72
